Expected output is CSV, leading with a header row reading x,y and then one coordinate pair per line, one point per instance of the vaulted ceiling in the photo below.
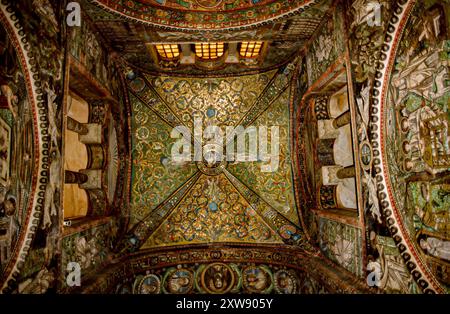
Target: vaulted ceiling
x,y
178,203
184,203
347,193
204,14
132,27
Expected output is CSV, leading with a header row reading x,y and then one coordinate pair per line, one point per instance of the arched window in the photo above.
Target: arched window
x,y
209,51
168,51
250,49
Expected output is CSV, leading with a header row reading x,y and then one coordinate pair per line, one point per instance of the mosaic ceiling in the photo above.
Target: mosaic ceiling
x,y
132,40
191,221
204,14
179,203
193,202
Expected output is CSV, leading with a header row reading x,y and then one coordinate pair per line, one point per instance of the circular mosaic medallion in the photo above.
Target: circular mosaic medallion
x,y
257,279
287,231
178,281
217,278
286,282
366,155
213,163
137,85
150,285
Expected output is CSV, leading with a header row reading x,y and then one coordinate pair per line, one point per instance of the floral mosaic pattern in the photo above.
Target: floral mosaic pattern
x,y
155,175
274,187
217,101
203,14
213,211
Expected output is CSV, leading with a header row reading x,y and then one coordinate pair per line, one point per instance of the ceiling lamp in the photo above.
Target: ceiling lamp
x,y
168,51
250,49
209,51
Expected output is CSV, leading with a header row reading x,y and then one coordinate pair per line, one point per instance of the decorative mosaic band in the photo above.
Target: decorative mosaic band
x,y
149,224
414,263
338,281
176,19
288,231
9,19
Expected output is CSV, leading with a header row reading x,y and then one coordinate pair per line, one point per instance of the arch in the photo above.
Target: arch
x,y
196,17
419,270
40,176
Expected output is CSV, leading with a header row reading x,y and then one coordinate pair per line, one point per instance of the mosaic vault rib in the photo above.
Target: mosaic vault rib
x,y
275,187
217,101
274,90
146,94
212,211
279,83
140,233
290,233
155,175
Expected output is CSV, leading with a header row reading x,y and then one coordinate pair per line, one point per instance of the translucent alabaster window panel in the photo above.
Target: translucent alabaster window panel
x,y
168,51
209,50
250,49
